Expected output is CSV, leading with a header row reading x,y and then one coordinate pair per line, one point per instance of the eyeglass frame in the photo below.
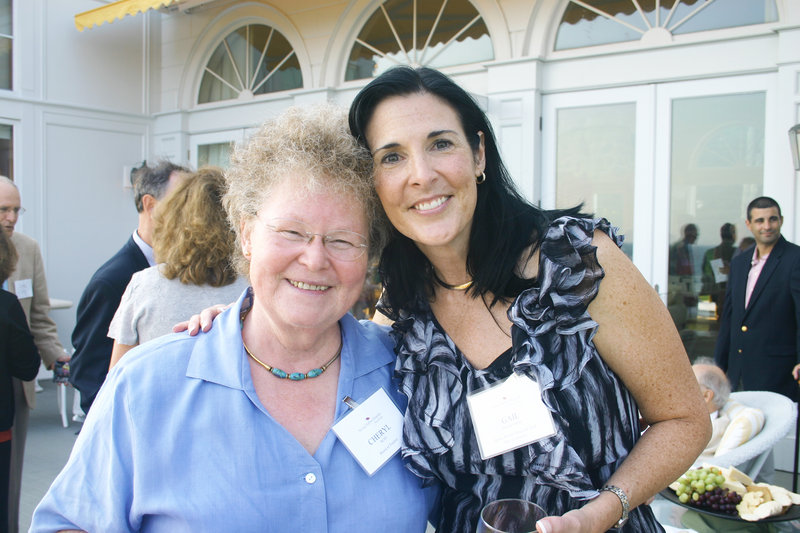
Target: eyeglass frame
x,y
4,210
307,237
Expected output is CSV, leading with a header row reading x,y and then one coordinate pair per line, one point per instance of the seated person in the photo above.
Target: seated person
x,y
733,424
716,390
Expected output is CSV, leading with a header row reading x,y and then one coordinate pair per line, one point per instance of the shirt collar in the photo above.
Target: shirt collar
x,y
219,356
757,258
146,249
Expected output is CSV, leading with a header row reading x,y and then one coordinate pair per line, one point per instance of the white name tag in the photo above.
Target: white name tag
x,y
372,432
23,288
508,415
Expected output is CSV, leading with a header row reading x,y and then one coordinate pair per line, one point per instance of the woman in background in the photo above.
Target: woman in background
x,y
193,244
19,359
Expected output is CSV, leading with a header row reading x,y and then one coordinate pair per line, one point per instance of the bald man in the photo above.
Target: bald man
x,y
29,284
716,390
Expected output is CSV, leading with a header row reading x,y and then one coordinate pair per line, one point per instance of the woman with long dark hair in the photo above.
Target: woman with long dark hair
x,y
481,286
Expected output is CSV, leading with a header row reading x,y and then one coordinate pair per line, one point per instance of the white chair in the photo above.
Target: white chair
x,y
779,412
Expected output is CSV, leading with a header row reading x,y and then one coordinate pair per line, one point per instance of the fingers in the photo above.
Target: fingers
x,y
200,322
191,326
207,316
180,326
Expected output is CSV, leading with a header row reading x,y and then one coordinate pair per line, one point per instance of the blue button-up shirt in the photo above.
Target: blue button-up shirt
x,y
177,440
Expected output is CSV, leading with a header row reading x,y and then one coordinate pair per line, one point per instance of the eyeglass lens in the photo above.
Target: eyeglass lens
x,y
341,244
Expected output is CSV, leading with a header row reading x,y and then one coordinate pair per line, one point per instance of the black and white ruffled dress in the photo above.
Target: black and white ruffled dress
x,y
596,417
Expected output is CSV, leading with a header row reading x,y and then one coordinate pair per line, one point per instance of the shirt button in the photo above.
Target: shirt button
x,y
740,350
310,478
744,328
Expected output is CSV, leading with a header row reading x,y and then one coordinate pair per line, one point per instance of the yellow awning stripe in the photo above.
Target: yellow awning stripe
x,y
116,10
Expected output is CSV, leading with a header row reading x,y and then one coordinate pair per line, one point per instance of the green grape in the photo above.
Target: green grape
x,y
702,488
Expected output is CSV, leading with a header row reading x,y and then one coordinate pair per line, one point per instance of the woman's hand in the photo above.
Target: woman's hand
x,y
576,521
202,321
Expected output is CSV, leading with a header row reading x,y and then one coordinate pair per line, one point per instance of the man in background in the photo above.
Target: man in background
x,y
104,291
29,284
758,343
716,390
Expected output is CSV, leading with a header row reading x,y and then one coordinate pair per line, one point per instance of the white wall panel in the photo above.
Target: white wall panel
x,y
102,67
89,213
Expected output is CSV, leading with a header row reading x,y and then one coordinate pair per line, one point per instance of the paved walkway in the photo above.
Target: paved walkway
x,y
47,449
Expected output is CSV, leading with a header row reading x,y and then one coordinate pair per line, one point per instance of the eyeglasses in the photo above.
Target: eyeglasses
x,y
16,210
341,244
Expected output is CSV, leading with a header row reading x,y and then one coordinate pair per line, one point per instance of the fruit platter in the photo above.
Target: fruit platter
x,y
729,493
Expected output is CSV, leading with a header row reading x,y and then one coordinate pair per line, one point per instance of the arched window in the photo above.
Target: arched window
x,y
434,33
594,22
254,59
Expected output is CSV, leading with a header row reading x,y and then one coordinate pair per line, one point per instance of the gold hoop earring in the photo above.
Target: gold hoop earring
x,y
480,179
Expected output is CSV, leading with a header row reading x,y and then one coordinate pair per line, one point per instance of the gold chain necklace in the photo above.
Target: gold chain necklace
x,y
282,374
462,287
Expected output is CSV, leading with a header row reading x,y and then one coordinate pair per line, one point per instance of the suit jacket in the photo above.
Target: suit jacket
x,y
99,302
758,346
30,266
19,357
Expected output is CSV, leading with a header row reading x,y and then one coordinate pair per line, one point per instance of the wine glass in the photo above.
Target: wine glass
x,y
510,516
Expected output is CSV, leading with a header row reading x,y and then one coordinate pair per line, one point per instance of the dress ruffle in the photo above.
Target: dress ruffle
x,y
552,343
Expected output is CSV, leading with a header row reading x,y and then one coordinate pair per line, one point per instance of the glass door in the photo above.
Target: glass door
x,y
597,150
711,152
214,148
674,165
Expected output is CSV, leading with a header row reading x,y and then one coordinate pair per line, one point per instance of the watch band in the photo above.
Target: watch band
x,y
623,499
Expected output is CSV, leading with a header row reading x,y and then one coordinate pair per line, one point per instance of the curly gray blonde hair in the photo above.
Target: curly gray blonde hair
x,y
312,145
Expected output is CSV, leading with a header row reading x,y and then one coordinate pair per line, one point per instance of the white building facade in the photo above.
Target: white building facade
x,y
654,113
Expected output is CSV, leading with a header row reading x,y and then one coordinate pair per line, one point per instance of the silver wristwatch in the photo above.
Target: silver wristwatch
x,y
623,499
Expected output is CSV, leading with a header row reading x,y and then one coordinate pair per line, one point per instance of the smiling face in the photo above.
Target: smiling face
x,y
765,224
298,285
425,171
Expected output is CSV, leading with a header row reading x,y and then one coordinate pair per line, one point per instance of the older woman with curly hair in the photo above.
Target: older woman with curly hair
x,y
244,428
193,244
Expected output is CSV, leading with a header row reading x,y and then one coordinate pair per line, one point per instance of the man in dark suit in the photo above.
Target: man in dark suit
x,y
102,295
758,343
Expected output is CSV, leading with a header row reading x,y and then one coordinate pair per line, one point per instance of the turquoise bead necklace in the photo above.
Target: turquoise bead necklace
x,y
282,374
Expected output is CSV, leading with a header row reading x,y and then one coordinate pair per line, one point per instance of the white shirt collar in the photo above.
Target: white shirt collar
x,y
146,249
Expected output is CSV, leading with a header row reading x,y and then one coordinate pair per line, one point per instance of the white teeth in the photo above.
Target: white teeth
x,y
426,206
308,287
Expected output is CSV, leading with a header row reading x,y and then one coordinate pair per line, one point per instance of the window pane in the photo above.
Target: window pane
x,y
257,60
5,63
717,167
5,18
595,158
428,44
581,27
287,76
216,154
7,151
726,14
